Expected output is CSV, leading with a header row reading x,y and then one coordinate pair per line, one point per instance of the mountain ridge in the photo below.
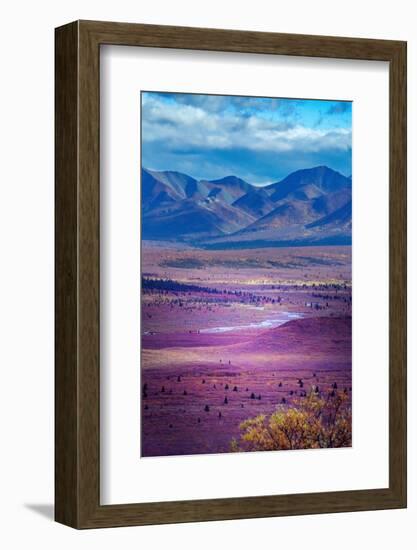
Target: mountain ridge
x,y
309,206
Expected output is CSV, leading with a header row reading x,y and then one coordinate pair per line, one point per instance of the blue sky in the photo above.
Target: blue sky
x,y
258,139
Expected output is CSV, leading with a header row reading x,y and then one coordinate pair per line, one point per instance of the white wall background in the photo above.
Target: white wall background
x,y
26,272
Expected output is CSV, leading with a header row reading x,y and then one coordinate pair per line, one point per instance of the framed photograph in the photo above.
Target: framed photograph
x,y
230,274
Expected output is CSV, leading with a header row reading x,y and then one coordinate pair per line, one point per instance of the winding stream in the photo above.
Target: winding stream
x,y
285,316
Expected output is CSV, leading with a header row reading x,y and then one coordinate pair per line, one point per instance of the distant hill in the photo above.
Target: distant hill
x,y
311,206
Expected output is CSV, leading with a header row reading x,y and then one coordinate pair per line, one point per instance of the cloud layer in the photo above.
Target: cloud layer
x,y
258,139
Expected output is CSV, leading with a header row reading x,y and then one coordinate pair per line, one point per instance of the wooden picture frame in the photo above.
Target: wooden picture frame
x,y
77,405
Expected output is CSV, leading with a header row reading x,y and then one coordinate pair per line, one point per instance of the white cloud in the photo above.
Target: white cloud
x,y
181,125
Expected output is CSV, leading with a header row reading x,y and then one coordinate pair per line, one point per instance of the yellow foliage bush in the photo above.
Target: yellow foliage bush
x,y
312,422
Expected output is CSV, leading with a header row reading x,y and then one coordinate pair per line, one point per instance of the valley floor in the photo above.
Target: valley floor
x,y
230,335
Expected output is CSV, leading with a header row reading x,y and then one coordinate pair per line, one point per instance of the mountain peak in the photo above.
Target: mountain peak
x,y
321,169
322,178
231,180
158,174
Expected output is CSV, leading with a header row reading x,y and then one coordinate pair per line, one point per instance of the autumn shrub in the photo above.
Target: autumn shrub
x,y
311,422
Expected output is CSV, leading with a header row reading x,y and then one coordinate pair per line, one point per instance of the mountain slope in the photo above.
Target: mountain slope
x,y
255,202
228,189
340,217
156,192
178,182
189,220
299,212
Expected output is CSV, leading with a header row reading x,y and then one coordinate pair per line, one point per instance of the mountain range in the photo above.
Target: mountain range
x,y
309,207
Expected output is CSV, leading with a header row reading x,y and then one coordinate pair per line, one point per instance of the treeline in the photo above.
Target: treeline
x,y
169,285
